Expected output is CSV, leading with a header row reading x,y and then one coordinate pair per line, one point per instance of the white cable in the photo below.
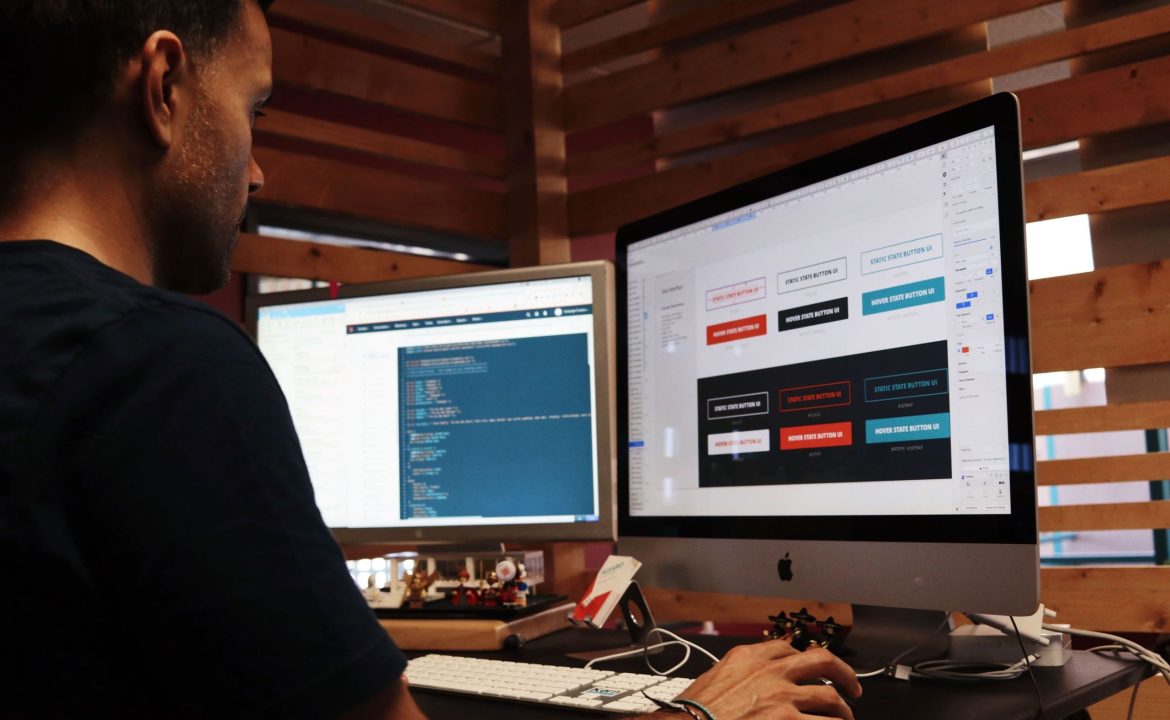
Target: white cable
x,y
1142,653
646,650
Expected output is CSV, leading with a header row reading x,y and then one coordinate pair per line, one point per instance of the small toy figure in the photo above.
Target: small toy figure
x,y
416,591
521,586
506,572
372,593
489,590
463,595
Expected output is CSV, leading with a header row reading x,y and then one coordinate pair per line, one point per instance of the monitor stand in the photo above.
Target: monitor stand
x,y
881,634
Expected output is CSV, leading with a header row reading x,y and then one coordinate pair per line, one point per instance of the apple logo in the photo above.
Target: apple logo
x,y
785,568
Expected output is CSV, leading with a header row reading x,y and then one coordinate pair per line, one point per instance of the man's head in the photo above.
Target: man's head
x,y
162,91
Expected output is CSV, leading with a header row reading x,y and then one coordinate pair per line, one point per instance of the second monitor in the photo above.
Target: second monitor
x,y
463,409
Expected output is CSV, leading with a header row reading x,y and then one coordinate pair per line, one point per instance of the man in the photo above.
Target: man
x,y
160,549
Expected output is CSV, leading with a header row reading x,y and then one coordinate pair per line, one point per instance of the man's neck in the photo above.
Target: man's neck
x,y
86,211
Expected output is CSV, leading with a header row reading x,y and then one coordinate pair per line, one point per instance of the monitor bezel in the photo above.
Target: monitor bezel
x,y
999,111
602,280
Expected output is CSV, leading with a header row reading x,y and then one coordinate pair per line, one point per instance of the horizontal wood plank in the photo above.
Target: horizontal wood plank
x,y
483,14
1145,182
331,185
1106,318
689,606
1111,516
571,13
998,61
320,65
318,261
1104,418
372,142
1117,468
818,38
357,25
659,34
1118,599
1153,697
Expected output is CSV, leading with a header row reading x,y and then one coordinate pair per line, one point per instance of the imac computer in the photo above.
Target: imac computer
x,y
824,378
464,410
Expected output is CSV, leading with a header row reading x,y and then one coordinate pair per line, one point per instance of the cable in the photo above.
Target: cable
x,y
645,650
893,663
1129,646
1132,701
1031,675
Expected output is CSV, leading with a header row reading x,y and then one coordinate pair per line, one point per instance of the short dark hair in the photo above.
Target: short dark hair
x,y
59,58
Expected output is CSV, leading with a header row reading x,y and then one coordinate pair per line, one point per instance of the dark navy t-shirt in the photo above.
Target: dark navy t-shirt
x,y
161,554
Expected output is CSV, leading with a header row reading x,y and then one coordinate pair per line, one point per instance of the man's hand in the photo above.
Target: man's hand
x,y
767,680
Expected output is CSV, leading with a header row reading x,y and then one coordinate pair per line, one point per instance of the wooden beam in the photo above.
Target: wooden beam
x,y
317,261
657,35
992,63
836,33
320,65
571,13
483,14
313,182
303,127
1116,468
603,209
1104,418
538,226
1145,182
1111,317
1117,599
1112,516
685,605
358,25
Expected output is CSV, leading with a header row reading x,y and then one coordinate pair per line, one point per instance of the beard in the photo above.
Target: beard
x,y
196,211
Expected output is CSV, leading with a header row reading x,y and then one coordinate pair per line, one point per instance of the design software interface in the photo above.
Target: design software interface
x,y
836,350
471,405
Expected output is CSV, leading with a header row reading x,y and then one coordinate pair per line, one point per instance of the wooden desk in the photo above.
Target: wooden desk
x,y
1085,680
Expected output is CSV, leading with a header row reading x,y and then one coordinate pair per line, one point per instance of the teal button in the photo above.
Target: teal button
x,y
900,297
911,427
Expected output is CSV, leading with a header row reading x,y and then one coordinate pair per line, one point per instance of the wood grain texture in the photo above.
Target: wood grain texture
x,y
1111,516
357,25
1117,599
1116,468
483,14
571,13
313,182
317,261
1104,418
805,42
537,198
1145,182
676,28
319,65
1106,318
351,137
998,61
1152,700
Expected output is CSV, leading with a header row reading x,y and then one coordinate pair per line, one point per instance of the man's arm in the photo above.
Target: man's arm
x,y
392,703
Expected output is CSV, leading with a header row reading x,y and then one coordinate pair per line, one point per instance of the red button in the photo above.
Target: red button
x,y
815,436
737,329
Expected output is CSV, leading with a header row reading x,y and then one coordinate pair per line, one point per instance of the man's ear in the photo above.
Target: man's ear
x,y
164,84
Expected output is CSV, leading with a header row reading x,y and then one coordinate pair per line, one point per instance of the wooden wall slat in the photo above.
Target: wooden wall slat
x,y
676,28
351,137
1104,418
1087,597
688,606
808,41
316,261
1120,98
571,13
319,65
992,63
1111,516
1116,468
1145,182
307,181
357,25
1106,318
483,14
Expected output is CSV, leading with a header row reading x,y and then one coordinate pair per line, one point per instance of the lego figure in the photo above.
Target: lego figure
x,y
489,590
506,572
416,591
521,586
464,595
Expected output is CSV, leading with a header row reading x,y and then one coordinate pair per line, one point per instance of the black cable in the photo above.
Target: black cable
x,y
1132,702
1035,685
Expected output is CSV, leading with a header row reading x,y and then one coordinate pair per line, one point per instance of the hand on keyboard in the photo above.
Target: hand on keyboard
x,y
763,680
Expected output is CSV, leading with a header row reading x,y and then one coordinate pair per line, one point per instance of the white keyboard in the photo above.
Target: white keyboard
x,y
599,690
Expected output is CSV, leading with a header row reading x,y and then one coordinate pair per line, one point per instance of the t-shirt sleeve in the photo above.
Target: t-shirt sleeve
x,y
194,513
